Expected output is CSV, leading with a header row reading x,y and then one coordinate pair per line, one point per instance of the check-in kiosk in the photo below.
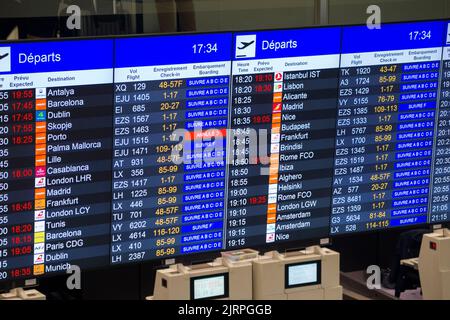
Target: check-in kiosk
x,y
227,277
310,274
434,265
22,294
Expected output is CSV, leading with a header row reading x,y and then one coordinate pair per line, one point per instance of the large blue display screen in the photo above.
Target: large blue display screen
x,y
130,149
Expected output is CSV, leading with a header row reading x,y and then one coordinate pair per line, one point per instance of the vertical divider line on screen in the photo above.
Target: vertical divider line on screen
x,y
335,130
112,145
229,145
436,129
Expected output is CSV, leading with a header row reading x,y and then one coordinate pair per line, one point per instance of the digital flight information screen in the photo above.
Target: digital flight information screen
x,y
169,166
283,93
130,149
388,104
55,156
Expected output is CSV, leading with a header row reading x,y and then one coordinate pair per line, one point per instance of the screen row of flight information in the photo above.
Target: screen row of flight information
x,y
130,149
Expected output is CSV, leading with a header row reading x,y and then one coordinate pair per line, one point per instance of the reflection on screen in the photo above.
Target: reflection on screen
x,y
209,287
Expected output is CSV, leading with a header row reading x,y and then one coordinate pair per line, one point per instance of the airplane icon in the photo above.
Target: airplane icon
x,y
246,44
448,34
5,59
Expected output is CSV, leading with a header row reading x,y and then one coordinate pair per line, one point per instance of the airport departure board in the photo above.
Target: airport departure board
x,y
284,95
123,150
387,106
55,157
170,121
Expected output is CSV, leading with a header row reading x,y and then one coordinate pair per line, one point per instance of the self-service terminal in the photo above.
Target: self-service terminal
x,y
434,265
310,274
227,277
